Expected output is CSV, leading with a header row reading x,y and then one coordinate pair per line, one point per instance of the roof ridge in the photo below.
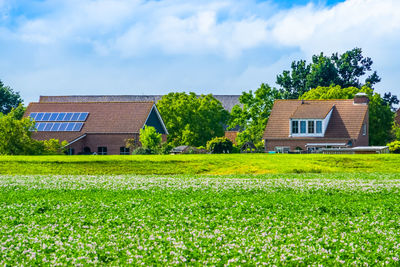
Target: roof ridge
x,y
91,102
351,99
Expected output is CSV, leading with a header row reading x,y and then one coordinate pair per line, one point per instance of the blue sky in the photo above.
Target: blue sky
x,y
66,47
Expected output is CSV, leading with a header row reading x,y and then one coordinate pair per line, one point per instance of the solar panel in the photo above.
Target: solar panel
x,y
55,127
59,121
33,115
70,126
40,126
39,116
62,128
46,116
75,117
60,117
59,126
48,126
83,116
53,116
78,126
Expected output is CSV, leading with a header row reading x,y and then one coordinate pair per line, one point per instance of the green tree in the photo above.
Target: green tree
x,y
149,138
192,120
380,114
253,113
344,70
8,99
394,147
15,135
220,145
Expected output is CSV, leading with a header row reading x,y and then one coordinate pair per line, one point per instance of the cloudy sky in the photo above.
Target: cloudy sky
x,y
65,47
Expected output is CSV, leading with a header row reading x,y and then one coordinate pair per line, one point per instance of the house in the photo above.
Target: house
x,y
311,125
94,127
227,101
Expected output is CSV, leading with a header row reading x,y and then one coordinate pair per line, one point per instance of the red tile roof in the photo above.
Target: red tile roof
x,y
312,111
345,122
104,117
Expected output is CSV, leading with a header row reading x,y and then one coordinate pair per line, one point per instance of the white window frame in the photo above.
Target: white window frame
x,y
282,149
364,129
307,134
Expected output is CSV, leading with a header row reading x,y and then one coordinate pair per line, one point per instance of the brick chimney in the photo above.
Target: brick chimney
x,y
361,98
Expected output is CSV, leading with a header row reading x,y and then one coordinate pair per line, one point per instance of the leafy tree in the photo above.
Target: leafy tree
x,y
380,114
220,145
394,147
8,99
15,135
335,92
131,143
294,83
253,114
149,138
192,120
344,70
390,100
53,147
395,131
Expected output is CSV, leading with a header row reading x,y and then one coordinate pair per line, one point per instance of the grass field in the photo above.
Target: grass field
x,y
200,210
199,164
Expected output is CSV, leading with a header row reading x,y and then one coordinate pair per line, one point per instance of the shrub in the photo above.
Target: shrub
x,y
150,138
142,151
394,147
165,148
220,145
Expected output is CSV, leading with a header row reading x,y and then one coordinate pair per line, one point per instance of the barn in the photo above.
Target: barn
x,y
94,127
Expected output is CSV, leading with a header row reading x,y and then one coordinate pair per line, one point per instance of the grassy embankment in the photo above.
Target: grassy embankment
x,y
199,164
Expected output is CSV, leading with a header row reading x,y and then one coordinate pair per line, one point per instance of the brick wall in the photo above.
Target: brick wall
x,y
113,142
294,143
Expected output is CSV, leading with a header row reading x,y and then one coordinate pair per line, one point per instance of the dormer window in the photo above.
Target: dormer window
x,y
307,127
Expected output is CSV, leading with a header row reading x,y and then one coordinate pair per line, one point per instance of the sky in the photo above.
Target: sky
x,y
102,47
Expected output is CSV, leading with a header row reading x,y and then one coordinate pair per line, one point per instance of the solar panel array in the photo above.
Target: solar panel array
x,y
59,121
59,116
59,126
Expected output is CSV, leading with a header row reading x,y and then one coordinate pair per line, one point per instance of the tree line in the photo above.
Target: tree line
x,y
196,120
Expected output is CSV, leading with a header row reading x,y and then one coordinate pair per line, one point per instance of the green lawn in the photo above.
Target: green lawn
x,y
293,219
199,164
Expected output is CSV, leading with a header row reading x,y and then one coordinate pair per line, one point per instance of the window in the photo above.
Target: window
x,y
70,151
364,129
310,127
319,127
282,149
102,150
124,150
302,126
295,127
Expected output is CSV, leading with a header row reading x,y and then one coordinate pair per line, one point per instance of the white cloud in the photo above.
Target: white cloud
x,y
126,35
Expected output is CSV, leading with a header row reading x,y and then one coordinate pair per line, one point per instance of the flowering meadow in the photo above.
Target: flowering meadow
x,y
286,219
